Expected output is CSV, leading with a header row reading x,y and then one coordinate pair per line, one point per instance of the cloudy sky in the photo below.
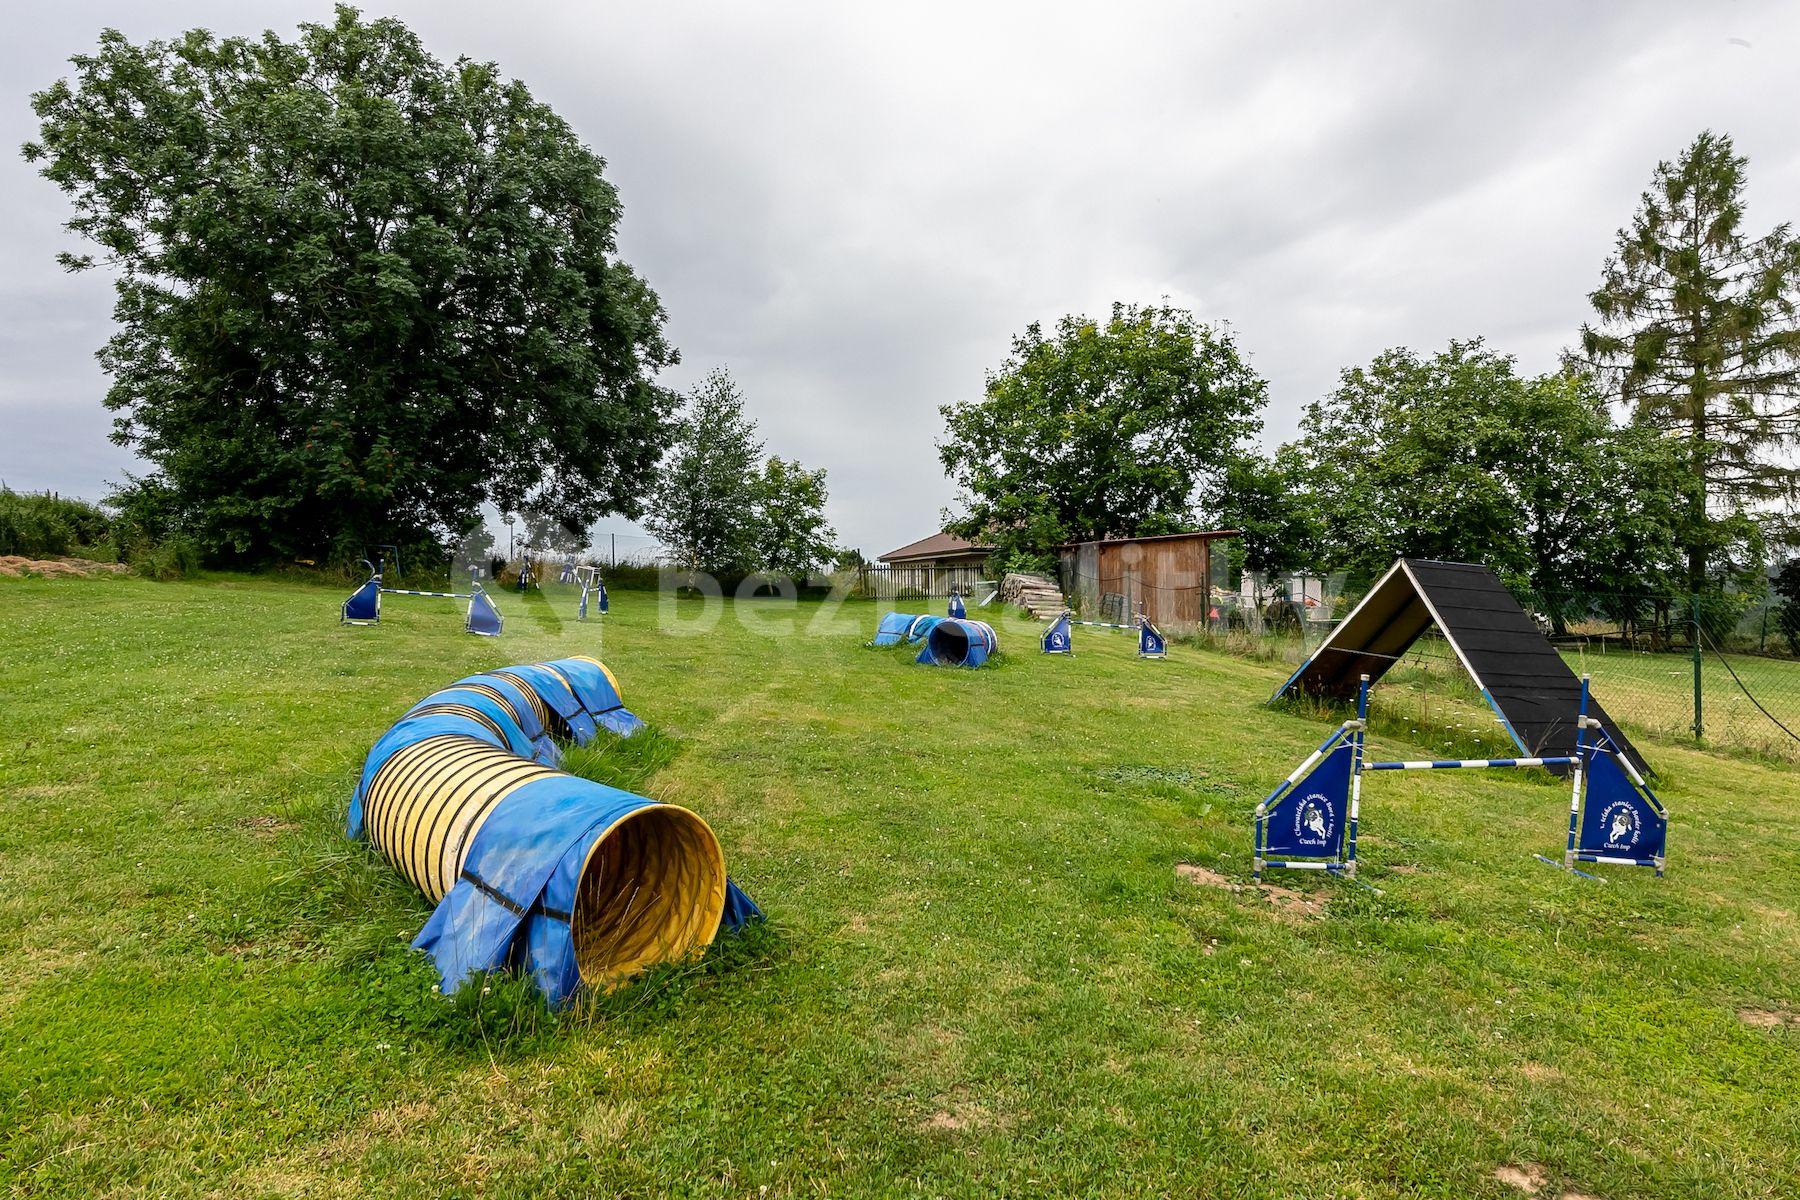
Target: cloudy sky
x,y
854,207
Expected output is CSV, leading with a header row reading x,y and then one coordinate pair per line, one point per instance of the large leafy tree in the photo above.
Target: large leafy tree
x,y
1270,503
1401,461
1457,457
360,291
1698,332
704,508
1100,429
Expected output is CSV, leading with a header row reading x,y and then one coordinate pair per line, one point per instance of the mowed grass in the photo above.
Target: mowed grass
x,y
982,975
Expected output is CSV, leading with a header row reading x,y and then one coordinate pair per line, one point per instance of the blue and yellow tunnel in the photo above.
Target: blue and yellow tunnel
x,y
577,883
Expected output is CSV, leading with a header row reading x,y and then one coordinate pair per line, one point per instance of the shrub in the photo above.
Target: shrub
x,y
38,525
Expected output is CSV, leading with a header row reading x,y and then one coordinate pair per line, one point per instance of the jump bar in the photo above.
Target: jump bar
x,y
439,595
1453,763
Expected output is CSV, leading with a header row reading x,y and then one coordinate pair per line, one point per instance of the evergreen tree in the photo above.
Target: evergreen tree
x,y
1697,330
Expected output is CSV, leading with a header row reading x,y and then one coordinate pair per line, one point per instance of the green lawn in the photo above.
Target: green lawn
x,y
983,976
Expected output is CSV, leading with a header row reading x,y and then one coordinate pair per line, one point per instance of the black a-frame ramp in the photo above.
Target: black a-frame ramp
x,y
1518,672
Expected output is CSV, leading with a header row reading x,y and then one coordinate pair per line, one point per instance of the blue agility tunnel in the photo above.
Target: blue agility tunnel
x,y
903,627
959,643
576,883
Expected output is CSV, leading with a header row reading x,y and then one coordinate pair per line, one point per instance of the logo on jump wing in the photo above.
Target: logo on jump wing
x,y
1623,824
1314,821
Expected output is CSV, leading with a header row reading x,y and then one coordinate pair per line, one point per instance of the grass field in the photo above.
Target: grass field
x,y
982,977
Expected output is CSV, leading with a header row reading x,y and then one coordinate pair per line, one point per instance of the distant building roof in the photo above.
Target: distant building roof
x,y
938,545
1204,534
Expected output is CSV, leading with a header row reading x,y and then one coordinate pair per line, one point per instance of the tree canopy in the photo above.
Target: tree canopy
x,y
1697,331
360,291
1455,456
1102,429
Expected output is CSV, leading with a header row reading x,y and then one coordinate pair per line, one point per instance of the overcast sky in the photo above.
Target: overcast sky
x,y
854,207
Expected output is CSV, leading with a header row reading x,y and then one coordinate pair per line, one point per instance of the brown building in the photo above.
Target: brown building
x,y
1169,577
935,565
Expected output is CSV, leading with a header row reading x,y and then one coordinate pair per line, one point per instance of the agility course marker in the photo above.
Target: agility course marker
x,y
1309,821
364,604
956,608
579,884
1151,643
1059,638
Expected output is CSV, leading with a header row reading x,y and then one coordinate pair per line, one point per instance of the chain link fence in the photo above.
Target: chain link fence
x,y
1718,670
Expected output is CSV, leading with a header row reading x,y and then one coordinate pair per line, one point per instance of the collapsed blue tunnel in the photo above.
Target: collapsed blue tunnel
x,y
898,627
574,882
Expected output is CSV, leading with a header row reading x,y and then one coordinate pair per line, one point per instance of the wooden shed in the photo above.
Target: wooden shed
x,y
1170,577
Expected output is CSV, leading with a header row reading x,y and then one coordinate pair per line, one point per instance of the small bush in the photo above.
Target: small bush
x,y
173,558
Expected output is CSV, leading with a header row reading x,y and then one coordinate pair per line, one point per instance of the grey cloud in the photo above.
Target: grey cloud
x,y
855,208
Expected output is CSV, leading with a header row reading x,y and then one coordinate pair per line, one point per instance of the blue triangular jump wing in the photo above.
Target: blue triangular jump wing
x,y
1150,640
364,605
1309,820
1058,639
1618,818
484,618
956,606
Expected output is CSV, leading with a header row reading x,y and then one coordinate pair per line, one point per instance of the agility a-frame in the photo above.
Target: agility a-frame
x,y
1511,663
1309,821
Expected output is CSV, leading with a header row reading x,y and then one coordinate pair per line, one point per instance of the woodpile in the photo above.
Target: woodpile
x,y
1035,594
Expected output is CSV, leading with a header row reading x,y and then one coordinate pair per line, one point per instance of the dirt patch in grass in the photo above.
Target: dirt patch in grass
x,y
1287,903
1767,1018
1202,877
16,565
959,1117
1527,1177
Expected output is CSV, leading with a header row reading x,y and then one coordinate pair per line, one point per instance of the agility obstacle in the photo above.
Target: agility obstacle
x,y
578,884
1510,661
364,605
591,585
958,642
956,608
1308,823
896,627
1059,638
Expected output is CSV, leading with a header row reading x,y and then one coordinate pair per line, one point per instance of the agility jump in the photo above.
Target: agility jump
x,y
1308,823
364,605
1060,637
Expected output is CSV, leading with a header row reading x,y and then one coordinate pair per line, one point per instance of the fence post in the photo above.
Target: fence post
x,y
1694,636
